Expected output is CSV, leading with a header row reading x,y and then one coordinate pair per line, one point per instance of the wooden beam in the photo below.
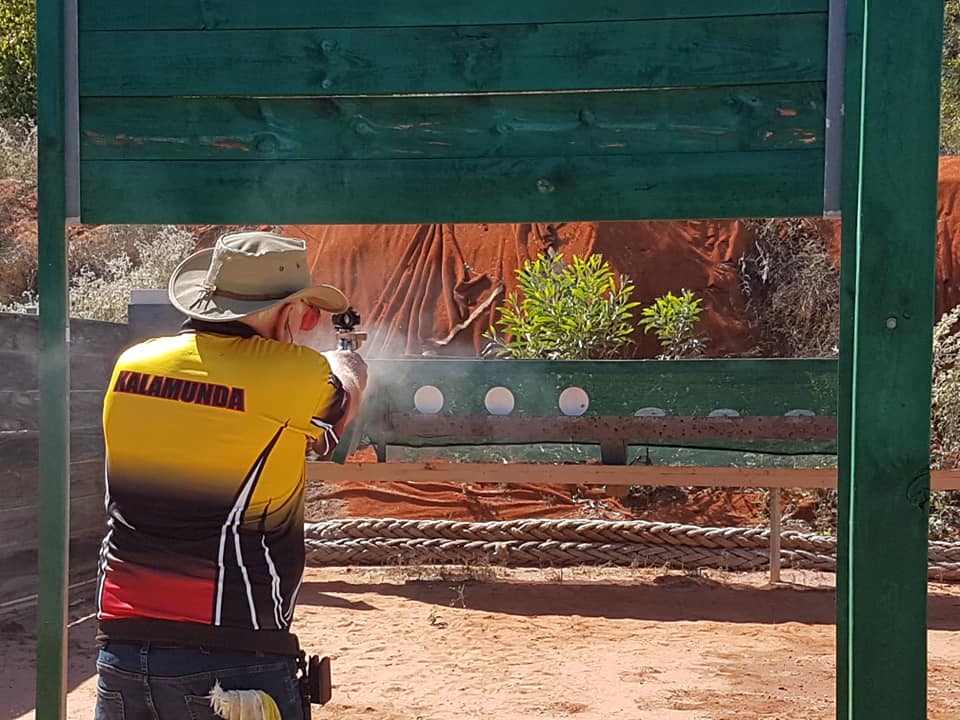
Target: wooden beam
x,y
548,189
741,118
850,201
895,238
314,61
53,367
20,409
774,535
256,14
404,429
545,474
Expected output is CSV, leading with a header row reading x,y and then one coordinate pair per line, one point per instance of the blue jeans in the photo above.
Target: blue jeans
x,y
159,682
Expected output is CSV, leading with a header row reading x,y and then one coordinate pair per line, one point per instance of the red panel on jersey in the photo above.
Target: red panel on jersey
x,y
131,591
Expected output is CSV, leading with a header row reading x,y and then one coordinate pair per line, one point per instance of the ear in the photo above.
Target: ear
x,y
288,322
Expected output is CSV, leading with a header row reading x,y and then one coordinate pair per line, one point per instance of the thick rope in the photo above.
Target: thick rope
x,y
558,543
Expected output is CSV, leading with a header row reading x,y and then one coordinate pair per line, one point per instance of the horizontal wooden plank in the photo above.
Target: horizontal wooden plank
x,y
407,429
665,186
456,59
246,14
18,525
810,478
87,477
614,387
98,338
18,371
726,119
88,494
19,581
20,450
705,453
20,483
722,457
19,332
20,410
408,447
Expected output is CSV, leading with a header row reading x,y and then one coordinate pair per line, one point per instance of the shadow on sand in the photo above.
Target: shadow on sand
x,y
669,598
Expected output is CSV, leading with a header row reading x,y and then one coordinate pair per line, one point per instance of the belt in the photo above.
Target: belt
x,y
198,635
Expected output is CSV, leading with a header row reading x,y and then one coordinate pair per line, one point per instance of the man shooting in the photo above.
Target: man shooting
x,y
206,434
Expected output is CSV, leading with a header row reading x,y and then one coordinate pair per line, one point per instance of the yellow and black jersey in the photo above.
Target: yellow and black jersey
x,y
206,434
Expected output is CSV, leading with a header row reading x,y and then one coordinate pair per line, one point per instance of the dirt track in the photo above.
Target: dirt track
x,y
590,644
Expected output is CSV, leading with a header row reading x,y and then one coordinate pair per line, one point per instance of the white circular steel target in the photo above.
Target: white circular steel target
x,y
428,400
499,401
724,412
574,401
650,412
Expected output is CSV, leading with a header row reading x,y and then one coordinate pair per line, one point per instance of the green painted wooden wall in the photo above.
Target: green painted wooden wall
x,y
615,389
209,111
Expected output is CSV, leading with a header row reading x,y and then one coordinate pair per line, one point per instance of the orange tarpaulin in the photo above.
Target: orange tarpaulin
x,y
433,289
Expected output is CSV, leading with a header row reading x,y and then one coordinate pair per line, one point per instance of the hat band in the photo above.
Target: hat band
x,y
209,289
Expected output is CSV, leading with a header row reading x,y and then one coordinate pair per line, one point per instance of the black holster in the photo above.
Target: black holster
x,y
314,681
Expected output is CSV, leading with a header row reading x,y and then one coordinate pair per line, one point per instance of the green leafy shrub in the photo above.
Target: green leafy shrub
x,y
18,75
674,320
564,311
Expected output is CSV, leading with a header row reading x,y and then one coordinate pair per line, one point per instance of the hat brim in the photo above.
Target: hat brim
x,y
186,290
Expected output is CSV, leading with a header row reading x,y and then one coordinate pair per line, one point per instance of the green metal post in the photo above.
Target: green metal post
x,y
895,237
54,369
848,267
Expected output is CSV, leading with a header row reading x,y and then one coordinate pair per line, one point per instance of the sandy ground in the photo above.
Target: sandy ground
x,y
585,643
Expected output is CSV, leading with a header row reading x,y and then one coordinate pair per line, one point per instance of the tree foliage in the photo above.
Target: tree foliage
x,y
574,311
18,75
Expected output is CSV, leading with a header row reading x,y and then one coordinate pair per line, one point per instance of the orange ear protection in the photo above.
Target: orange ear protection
x,y
309,318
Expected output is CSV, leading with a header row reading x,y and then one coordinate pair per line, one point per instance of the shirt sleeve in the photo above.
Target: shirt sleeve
x,y
330,409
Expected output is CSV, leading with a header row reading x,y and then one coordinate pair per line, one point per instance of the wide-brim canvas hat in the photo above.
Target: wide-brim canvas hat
x,y
245,273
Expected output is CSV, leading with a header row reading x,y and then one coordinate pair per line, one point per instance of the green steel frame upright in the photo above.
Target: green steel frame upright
x,y
889,208
54,366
